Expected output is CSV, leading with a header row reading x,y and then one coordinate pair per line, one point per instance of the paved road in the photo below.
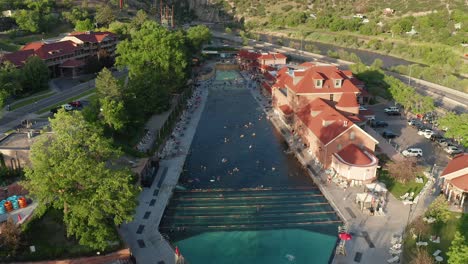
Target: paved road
x,y
11,119
447,98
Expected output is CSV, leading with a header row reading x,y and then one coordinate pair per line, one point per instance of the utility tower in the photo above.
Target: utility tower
x,y
166,15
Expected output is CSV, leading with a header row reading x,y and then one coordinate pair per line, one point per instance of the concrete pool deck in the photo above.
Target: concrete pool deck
x,y
142,234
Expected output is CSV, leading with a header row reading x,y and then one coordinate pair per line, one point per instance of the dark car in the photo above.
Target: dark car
x,y
389,134
55,110
379,124
436,137
393,113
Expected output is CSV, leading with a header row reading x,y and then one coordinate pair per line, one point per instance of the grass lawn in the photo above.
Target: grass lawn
x,y
397,188
47,109
31,100
48,235
446,232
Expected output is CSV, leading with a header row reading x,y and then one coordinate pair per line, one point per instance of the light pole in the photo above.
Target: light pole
x,y
409,77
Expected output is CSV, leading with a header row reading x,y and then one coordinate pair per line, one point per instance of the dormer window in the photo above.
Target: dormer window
x,y
338,83
318,83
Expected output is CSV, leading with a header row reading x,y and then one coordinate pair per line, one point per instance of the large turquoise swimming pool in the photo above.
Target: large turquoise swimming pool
x,y
247,201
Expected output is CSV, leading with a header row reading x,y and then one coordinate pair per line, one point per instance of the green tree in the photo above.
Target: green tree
x,y
108,86
140,18
28,20
75,15
84,25
456,125
9,78
34,75
74,170
156,51
114,113
105,15
458,251
396,29
439,210
197,36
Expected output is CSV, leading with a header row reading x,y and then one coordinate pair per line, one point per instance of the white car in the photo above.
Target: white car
x,y
362,108
452,150
392,109
424,132
67,107
412,152
428,134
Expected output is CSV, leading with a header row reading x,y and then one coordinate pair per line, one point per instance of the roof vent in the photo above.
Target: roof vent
x,y
326,123
345,123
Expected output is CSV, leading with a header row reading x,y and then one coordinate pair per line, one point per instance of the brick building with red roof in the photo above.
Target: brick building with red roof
x,y
320,103
67,56
455,181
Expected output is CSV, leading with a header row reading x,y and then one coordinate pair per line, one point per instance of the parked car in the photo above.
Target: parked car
x,y
436,137
412,152
452,150
391,109
413,122
54,110
393,113
67,107
379,124
422,132
443,142
389,134
76,104
428,134
362,108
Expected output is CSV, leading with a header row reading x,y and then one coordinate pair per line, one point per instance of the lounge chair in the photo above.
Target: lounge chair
x,y
403,197
436,240
394,259
421,243
411,195
436,253
396,239
395,251
396,247
406,202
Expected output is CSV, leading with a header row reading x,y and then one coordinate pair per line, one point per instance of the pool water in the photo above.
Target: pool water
x,y
247,201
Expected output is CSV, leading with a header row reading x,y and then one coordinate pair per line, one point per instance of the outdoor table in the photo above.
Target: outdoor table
x,y
439,258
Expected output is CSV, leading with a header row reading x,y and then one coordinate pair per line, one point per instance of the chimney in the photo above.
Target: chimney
x,y
345,123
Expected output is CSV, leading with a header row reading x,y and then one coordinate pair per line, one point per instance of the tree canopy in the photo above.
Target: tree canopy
x,y
458,251
74,169
198,35
156,51
105,15
456,125
34,74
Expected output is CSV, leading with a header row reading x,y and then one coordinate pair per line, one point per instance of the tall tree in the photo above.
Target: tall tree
x,y
34,75
404,171
439,209
74,169
140,18
105,15
198,36
108,86
156,51
10,235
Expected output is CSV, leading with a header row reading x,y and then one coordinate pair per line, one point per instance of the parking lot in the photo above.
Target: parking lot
x,y
408,137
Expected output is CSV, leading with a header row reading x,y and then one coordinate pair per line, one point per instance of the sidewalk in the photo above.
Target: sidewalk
x,y
371,234
142,235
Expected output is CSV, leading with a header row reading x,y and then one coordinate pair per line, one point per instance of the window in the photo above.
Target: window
x,y
337,83
352,135
318,83
331,97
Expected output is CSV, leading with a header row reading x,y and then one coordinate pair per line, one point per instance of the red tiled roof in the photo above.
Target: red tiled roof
x,y
348,100
286,109
337,122
33,45
267,56
313,72
348,73
279,56
307,64
457,163
245,54
72,63
56,49
461,182
18,58
93,37
354,155
356,81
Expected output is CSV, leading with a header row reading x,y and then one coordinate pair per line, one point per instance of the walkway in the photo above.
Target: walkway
x,y
372,234
142,235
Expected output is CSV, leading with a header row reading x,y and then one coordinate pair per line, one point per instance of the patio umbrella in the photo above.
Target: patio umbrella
x,y
345,236
177,252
